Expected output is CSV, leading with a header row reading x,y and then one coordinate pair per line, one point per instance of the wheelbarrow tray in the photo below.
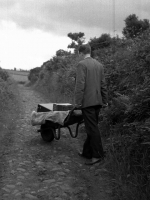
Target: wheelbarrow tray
x,y
48,129
71,119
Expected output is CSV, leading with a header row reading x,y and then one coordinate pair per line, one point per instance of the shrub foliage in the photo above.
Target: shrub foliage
x,y
125,124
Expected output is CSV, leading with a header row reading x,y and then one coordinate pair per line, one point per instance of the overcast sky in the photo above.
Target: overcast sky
x,y
31,31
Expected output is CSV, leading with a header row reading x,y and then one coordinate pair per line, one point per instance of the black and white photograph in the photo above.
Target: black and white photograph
x,y
75,100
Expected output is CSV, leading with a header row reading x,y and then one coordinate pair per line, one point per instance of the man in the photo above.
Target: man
x,y
90,96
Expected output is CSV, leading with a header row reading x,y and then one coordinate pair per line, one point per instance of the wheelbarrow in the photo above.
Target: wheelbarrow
x,y
50,130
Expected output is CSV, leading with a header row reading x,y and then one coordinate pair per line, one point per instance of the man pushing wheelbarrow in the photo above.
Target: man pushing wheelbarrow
x,y
53,116
90,97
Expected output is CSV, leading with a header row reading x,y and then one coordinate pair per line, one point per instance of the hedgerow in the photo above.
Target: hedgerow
x,y
125,124
128,119
6,92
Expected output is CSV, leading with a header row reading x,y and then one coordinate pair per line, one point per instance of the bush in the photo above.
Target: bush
x,y
3,75
125,123
34,74
6,91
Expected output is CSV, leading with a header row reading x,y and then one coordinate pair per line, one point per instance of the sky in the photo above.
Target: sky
x,y
31,31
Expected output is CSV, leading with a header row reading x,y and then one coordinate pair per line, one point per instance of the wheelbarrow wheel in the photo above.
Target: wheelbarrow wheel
x,y
48,135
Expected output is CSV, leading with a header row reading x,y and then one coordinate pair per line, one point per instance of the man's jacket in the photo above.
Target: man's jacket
x,y
90,88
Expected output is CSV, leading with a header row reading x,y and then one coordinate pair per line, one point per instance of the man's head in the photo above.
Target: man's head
x,y
84,49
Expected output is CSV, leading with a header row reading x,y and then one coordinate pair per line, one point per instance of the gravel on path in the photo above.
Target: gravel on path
x,y
34,169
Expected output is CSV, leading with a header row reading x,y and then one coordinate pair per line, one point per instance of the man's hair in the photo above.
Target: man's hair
x,y
85,49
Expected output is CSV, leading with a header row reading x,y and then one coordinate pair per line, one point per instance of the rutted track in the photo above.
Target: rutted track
x,y
34,169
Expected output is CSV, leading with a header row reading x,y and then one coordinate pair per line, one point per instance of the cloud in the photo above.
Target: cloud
x,y
144,8
64,16
32,30
7,3
27,49
59,16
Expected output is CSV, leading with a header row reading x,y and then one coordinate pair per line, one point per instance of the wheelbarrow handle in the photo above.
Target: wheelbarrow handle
x,y
75,108
70,113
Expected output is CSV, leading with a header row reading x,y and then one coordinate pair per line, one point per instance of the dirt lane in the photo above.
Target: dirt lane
x,y
34,169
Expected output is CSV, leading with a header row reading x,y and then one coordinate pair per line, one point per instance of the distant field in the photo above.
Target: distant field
x,y
19,76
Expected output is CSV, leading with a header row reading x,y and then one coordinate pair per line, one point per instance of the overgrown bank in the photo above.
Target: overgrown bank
x,y
125,124
8,107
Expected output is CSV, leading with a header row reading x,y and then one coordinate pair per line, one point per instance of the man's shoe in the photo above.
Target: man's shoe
x,y
94,161
83,156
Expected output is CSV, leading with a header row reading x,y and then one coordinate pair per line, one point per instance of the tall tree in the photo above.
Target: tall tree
x,y
62,53
77,40
134,26
103,41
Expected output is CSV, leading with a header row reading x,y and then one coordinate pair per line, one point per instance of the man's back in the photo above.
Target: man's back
x,y
90,94
90,85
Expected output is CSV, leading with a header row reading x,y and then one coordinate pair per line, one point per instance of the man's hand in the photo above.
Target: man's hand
x,y
78,106
105,105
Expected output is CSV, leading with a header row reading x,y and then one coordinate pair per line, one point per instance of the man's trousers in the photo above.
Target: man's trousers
x,y
92,147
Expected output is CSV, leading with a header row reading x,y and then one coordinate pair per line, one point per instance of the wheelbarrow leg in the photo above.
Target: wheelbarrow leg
x,y
57,133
